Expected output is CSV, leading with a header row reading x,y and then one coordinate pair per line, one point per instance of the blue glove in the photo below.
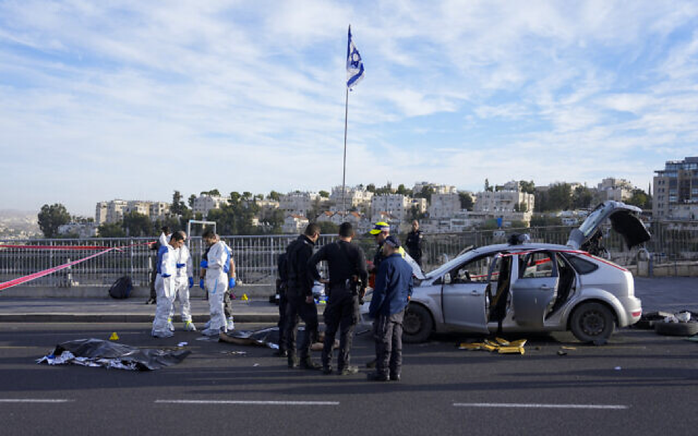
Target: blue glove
x,y
231,283
201,283
204,264
191,282
181,265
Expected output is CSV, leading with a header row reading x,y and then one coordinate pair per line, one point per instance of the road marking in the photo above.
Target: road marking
x,y
33,400
545,406
243,402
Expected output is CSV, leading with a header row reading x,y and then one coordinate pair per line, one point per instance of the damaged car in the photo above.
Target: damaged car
x,y
531,287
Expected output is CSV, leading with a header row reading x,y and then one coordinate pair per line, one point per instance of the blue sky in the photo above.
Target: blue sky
x,y
134,99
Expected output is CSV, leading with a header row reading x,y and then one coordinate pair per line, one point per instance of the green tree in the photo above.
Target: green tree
x,y
178,205
402,190
111,230
640,199
371,187
426,192
521,207
192,198
324,194
527,187
212,193
582,197
328,228
52,217
273,195
466,200
541,220
136,224
488,188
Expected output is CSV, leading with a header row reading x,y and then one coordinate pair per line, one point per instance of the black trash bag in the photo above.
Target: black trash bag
x,y
98,349
121,288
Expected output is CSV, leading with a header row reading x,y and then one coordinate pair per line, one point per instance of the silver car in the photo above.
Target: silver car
x,y
531,287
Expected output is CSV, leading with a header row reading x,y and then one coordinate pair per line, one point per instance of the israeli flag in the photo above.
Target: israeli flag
x,y
355,67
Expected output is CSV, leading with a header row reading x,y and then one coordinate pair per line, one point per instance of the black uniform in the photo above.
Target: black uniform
x,y
300,286
414,245
281,287
348,276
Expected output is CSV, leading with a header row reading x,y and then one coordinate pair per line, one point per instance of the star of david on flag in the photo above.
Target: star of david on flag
x,y
355,66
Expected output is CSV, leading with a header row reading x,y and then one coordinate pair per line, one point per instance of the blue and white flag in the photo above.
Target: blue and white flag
x,y
355,66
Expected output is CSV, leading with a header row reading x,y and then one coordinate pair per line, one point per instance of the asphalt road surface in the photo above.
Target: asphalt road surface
x,y
637,384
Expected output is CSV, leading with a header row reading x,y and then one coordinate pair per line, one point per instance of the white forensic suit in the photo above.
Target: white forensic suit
x,y
165,289
185,272
216,283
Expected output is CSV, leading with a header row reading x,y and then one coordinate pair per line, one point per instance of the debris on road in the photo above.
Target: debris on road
x,y
499,345
106,354
678,324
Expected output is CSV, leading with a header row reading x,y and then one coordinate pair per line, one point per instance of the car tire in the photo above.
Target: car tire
x,y
417,324
592,322
676,328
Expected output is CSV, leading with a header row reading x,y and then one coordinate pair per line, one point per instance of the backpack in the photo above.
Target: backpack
x,y
121,288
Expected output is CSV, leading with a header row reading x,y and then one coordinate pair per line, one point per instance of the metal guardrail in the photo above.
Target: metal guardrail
x,y
256,256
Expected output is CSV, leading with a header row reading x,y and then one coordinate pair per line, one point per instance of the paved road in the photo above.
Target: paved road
x,y
639,384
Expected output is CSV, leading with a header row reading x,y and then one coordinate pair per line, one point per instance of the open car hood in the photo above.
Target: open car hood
x,y
625,219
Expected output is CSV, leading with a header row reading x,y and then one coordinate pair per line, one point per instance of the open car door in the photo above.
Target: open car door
x,y
625,219
535,290
463,298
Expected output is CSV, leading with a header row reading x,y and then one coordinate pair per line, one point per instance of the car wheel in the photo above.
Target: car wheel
x,y
676,329
592,322
417,324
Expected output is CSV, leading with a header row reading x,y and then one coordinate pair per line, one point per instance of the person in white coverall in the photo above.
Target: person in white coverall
x,y
216,281
184,281
165,284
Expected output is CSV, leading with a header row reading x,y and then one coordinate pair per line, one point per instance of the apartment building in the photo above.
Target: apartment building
x,y
614,189
204,203
509,203
354,197
676,190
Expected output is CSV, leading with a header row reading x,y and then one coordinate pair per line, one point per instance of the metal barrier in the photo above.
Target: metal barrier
x,y
256,256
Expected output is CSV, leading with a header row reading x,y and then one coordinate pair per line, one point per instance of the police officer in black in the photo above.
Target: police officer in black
x,y
348,276
281,287
300,298
414,243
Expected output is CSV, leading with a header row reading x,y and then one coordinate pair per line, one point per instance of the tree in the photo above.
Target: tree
x,y
324,194
111,230
640,199
178,205
488,188
521,207
52,217
371,187
273,195
328,228
582,197
426,192
402,190
137,224
527,187
212,193
192,199
466,200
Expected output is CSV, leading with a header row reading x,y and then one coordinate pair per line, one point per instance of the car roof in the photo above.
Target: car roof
x,y
487,249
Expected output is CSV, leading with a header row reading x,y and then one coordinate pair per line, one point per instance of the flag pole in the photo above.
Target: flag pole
x,y
344,165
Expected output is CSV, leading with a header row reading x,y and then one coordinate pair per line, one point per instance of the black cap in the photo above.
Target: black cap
x,y
393,241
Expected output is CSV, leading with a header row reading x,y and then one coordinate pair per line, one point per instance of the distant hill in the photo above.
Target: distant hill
x,y
17,224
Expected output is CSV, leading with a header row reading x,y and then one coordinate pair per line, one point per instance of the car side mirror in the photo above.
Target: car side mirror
x,y
447,278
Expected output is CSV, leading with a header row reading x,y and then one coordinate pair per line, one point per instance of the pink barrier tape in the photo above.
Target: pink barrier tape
x,y
56,247
25,279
